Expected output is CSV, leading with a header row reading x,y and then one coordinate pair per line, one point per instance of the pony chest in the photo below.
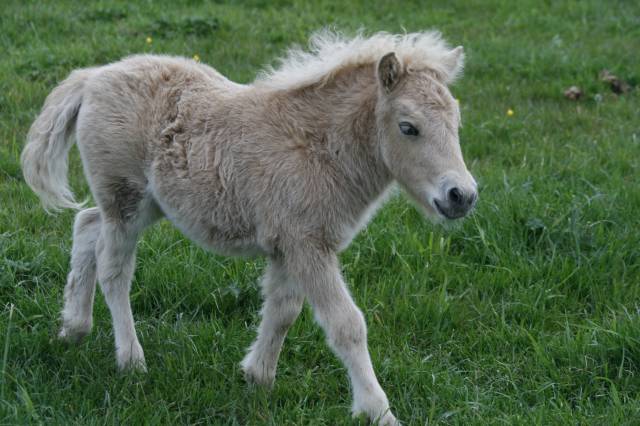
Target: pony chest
x,y
348,230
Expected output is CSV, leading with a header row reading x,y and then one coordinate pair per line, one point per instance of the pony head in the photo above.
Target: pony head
x,y
417,124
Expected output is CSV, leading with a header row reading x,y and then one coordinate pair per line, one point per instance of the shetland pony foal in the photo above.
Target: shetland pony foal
x,y
289,167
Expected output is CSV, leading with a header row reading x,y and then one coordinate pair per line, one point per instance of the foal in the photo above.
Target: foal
x,y
290,167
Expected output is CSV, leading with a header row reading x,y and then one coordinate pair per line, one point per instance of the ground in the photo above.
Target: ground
x,y
527,313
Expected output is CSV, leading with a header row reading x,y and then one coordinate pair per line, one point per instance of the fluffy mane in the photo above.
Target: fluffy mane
x,y
330,51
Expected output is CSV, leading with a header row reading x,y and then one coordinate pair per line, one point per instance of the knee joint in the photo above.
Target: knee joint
x,y
348,330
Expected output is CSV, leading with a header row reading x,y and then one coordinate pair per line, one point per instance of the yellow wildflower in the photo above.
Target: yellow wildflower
x,y
510,112
196,58
149,40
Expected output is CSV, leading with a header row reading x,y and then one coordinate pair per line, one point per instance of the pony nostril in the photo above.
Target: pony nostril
x,y
455,196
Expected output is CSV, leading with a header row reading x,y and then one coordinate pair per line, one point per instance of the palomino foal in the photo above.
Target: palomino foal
x,y
289,167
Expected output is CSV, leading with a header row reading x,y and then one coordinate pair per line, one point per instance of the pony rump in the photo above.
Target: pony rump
x,y
44,158
331,51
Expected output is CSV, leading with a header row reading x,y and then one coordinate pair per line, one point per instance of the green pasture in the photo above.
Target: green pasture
x,y
527,313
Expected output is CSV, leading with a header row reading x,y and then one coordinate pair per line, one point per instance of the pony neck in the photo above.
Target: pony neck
x,y
337,120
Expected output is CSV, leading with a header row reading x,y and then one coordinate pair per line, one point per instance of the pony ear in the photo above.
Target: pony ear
x,y
389,71
453,64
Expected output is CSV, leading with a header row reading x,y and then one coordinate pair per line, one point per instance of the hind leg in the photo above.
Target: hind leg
x,y
81,281
115,253
116,256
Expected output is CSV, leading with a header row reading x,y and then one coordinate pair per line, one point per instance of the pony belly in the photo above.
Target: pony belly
x,y
209,218
220,242
226,239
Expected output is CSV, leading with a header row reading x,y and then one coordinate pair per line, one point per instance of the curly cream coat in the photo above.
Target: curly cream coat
x,y
289,167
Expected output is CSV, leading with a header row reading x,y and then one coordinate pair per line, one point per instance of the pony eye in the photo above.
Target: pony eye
x,y
407,129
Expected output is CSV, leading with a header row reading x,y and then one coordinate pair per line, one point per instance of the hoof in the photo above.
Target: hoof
x,y
257,376
376,410
73,335
387,419
132,359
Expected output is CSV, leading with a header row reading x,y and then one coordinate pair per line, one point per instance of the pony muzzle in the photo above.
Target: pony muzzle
x,y
457,199
457,204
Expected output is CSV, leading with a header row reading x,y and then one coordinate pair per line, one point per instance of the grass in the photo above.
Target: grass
x,y
528,313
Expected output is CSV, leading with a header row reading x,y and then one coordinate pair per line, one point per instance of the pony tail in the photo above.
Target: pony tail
x,y
45,156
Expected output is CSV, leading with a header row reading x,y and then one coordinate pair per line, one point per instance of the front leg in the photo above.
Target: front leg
x,y
282,305
319,276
